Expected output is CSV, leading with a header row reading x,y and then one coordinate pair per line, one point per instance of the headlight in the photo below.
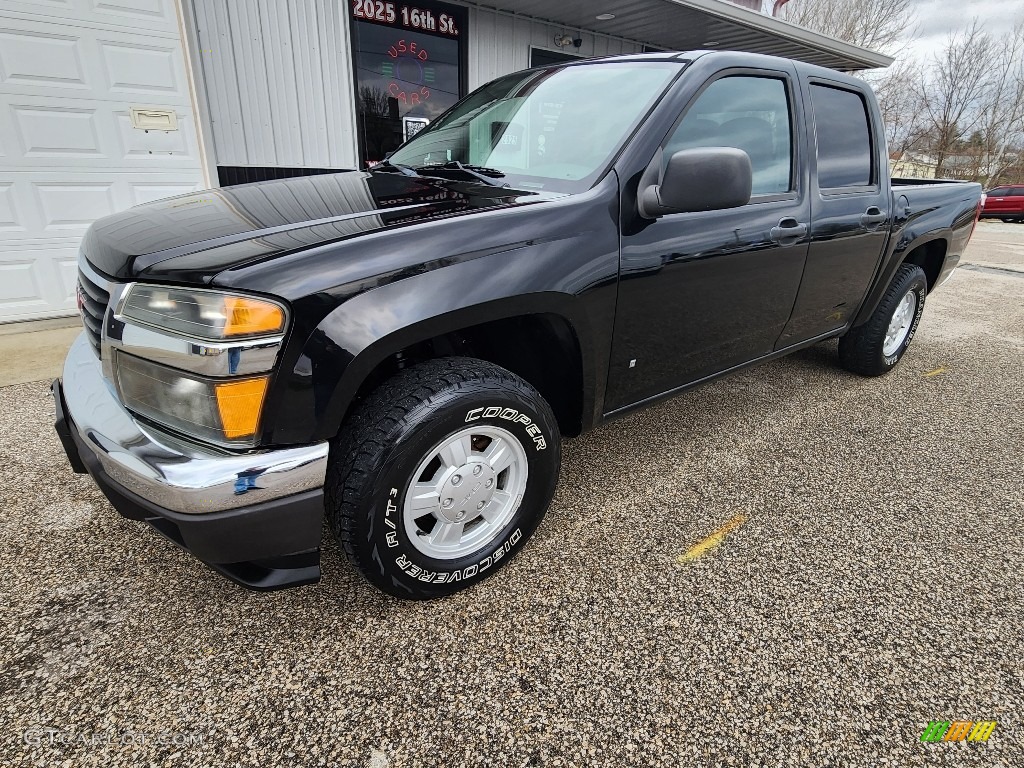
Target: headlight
x,y
225,411
203,314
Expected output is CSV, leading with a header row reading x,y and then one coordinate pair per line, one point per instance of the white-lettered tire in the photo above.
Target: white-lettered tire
x,y
879,344
441,475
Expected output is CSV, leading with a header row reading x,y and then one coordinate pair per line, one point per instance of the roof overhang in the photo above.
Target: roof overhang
x,y
683,25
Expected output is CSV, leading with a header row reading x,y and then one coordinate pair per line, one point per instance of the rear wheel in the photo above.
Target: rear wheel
x,y
876,346
441,475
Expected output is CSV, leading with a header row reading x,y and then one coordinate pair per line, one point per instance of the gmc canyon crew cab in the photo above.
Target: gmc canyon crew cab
x,y
403,349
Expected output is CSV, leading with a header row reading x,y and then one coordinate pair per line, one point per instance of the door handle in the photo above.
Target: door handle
x,y
788,232
872,217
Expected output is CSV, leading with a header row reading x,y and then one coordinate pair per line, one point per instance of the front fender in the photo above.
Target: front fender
x,y
573,277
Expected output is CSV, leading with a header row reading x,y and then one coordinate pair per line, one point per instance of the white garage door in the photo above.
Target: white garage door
x,y
70,72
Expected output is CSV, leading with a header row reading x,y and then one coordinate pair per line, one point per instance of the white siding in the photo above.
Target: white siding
x,y
278,74
500,43
278,81
70,71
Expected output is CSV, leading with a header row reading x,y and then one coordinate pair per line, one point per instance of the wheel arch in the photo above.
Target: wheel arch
x,y
928,250
538,337
930,256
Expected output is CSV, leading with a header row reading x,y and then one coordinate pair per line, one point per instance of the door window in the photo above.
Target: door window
x,y
844,138
748,113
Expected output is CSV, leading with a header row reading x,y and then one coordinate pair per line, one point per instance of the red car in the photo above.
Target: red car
x,y
1006,203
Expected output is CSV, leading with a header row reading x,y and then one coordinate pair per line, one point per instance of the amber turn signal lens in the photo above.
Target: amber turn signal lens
x,y
245,317
239,403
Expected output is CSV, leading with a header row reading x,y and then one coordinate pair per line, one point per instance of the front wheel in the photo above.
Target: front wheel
x,y
876,346
441,475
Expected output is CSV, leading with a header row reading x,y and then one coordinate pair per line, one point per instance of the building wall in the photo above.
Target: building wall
x,y
500,43
276,75
277,78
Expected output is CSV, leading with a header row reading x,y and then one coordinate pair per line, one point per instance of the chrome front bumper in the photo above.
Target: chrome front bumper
x,y
171,473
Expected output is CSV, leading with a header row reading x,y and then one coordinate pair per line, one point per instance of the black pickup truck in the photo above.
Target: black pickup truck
x,y
403,349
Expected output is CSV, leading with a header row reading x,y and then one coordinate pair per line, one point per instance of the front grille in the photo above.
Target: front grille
x,y
93,300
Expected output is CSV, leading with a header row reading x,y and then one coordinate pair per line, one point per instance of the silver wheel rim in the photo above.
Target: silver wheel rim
x,y
464,492
899,325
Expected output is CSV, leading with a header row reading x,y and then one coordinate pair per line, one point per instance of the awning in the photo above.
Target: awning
x,y
682,25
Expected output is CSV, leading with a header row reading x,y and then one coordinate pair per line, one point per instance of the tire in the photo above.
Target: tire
x,y
444,423
879,344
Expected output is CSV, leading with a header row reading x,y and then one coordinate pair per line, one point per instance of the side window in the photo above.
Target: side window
x,y
749,113
844,138
999,192
1017,191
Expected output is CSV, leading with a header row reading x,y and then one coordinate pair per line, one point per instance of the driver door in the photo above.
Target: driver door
x,y
700,293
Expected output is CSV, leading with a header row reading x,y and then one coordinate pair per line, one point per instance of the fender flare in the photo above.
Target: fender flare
x,y
374,325
895,260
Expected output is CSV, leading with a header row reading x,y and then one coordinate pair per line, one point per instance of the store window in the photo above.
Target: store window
x,y
409,69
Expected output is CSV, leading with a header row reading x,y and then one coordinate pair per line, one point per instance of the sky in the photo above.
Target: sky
x,y
937,18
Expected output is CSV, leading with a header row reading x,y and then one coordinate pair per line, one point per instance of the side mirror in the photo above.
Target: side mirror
x,y
703,179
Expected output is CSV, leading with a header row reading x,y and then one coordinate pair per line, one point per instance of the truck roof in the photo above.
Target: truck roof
x,y
729,58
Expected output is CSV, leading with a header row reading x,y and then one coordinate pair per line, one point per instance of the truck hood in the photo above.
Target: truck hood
x,y
196,236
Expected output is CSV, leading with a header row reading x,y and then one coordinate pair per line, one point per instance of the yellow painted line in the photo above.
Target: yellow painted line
x,y
717,537
936,372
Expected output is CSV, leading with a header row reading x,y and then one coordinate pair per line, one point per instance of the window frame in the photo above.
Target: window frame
x,y
795,191
853,189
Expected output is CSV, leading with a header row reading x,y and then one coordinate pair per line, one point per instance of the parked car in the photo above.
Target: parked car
x,y
404,349
1006,203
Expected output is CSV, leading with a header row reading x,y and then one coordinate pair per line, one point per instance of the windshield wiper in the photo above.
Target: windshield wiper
x,y
404,169
478,172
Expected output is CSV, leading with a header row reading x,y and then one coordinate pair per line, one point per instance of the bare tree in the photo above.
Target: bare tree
x,y
874,24
952,90
1001,109
901,104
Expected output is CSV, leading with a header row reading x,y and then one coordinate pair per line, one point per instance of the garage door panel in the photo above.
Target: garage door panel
x,y
178,148
134,11
74,206
140,68
10,220
38,281
36,58
57,132
20,287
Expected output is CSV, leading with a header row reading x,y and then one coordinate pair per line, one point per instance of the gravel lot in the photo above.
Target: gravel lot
x,y
875,585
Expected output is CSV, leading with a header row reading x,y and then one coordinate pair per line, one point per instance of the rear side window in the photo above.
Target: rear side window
x,y
844,138
1017,191
749,113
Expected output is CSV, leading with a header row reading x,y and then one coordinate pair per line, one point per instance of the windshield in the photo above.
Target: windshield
x,y
551,129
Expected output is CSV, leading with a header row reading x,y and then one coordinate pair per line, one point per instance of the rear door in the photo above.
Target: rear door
x,y
998,200
1016,201
850,209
